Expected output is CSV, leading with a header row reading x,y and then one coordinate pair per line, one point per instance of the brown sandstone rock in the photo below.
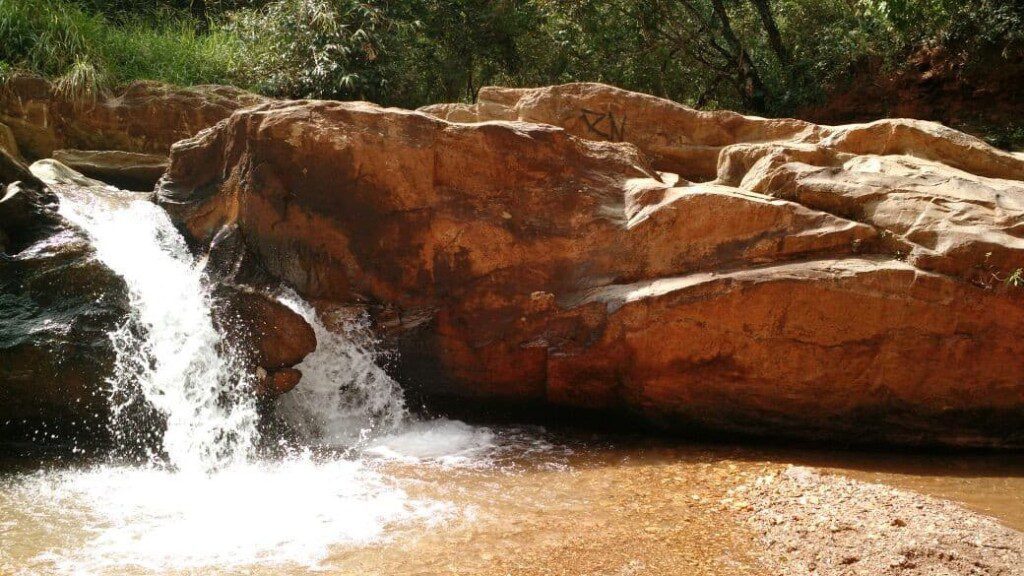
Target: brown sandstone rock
x,y
677,138
278,337
773,300
13,168
689,142
9,144
141,117
127,170
278,382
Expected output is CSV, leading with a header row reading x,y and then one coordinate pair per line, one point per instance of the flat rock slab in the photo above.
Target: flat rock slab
x,y
128,170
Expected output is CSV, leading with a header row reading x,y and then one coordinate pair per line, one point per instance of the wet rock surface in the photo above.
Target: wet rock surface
x,y
28,213
271,335
60,306
57,306
822,282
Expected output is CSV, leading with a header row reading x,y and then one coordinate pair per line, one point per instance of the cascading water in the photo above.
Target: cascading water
x,y
208,497
170,355
203,498
345,394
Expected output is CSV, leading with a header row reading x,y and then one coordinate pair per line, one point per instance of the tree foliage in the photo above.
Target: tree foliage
x,y
764,56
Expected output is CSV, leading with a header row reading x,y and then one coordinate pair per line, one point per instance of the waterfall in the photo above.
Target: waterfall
x,y
169,354
344,395
171,358
209,499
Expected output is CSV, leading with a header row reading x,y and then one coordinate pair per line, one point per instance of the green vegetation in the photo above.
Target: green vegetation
x,y
762,56
89,51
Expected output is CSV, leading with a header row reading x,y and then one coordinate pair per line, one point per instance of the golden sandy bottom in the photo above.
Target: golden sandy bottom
x,y
633,508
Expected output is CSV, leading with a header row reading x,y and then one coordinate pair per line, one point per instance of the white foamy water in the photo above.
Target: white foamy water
x,y
345,396
169,353
284,512
449,443
207,499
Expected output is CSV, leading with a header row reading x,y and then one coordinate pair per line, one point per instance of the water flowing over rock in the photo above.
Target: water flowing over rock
x,y
106,316
57,305
546,246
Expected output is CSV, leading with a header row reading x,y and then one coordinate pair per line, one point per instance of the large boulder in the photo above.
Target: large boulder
x,y
817,283
142,116
57,305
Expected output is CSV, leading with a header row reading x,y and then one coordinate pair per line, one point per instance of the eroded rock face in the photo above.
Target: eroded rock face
x,y
144,117
820,282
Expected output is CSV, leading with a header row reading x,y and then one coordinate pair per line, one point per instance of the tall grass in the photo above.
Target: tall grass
x,y
87,54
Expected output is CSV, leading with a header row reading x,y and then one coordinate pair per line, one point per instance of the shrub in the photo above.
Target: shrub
x,y
313,48
87,53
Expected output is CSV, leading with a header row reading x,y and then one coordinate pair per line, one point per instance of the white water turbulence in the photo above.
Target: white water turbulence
x,y
347,400
170,355
345,396
207,499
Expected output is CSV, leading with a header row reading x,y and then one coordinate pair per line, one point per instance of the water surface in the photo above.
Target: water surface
x,y
444,497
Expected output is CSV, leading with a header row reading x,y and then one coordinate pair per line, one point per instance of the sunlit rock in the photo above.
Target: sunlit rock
x,y
819,282
140,117
129,170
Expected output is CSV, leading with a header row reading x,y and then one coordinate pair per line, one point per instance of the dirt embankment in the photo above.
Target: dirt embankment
x,y
981,99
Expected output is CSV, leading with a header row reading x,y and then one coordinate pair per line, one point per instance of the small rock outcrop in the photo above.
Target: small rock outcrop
x,y
275,337
145,117
126,170
589,247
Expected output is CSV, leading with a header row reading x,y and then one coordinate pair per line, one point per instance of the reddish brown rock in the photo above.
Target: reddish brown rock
x,y
689,142
278,382
819,287
126,170
140,117
278,337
